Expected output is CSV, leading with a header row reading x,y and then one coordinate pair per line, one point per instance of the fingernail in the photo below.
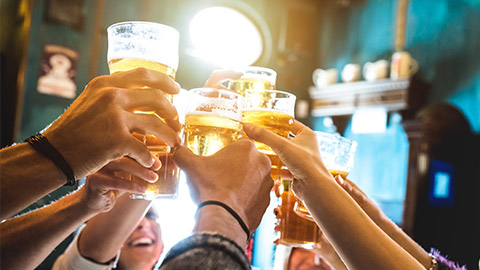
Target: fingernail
x,y
340,179
153,162
153,177
177,84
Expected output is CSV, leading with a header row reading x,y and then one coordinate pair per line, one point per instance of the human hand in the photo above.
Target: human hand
x,y
300,154
102,188
97,128
370,208
218,76
237,175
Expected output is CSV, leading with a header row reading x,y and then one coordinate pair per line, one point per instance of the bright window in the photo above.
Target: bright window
x,y
225,37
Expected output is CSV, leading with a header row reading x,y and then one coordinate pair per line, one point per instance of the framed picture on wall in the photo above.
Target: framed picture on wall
x,y
58,69
71,12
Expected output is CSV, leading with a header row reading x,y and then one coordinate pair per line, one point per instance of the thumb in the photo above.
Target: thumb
x,y
259,134
183,157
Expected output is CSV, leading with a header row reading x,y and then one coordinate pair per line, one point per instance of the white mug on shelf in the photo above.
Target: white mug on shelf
x,y
375,71
322,77
403,65
351,73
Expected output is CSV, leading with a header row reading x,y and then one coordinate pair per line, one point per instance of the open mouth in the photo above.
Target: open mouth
x,y
142,242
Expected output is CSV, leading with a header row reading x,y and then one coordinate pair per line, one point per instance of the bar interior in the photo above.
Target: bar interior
x,y
397,83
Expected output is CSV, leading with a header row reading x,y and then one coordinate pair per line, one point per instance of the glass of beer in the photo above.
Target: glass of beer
x,y
297,227
295,230
337,154
213,120
257,78
273,110
154,46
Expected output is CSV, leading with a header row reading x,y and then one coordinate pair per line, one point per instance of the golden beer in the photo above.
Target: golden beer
x,y
130,44
295,230
207,132
168,176
278,171
243,84
125,64
273,120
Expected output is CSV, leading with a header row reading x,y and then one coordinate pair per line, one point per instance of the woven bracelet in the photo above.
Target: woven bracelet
x,y
231,211
44,147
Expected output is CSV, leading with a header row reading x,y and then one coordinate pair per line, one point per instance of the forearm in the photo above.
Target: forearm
x,y
105,233
25,177
407,243
213,218
387,225
360,243
27,240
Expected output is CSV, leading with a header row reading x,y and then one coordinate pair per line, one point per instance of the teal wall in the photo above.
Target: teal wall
x,y
444,37
39,110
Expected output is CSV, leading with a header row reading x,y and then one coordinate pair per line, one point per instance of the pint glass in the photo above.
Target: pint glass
x,y
154,46
273,110
213,120
337,154
257,78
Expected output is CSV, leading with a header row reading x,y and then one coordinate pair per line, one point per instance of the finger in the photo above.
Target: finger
x,y
299,128
126,163
152,125
339,180
257,133
109,182
131,166
185,158
138,151
142,77
215,80
148,101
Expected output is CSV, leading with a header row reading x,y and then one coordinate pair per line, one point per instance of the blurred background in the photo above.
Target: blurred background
x,y
418,137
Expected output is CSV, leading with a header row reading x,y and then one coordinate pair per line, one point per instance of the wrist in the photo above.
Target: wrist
x,y
80,203
215,218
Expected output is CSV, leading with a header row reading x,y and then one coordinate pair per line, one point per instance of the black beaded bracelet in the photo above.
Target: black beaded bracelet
x,y
44,147
231,211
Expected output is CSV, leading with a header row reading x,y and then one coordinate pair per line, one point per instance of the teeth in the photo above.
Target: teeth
x,y
142,241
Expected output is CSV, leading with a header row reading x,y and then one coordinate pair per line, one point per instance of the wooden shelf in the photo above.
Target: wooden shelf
x,y
345,98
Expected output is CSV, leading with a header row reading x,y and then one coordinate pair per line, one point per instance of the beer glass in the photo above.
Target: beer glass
x,y
273,110
257,78
296,225
213,120
154,46
337,154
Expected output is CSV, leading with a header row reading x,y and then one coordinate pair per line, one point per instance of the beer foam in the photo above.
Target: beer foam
x,y
152,42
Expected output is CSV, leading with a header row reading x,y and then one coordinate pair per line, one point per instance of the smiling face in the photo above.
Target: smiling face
x,y
143,247
302,259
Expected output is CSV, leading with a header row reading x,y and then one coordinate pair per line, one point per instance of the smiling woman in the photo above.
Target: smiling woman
x,y
225,37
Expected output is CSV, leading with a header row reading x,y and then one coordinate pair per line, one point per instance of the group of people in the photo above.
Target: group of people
x,y
94,138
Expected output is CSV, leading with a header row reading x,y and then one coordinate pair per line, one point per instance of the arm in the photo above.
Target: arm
x,y
27,240
31,237
239,176
358,240
96,129
388,226
104,235
26,176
